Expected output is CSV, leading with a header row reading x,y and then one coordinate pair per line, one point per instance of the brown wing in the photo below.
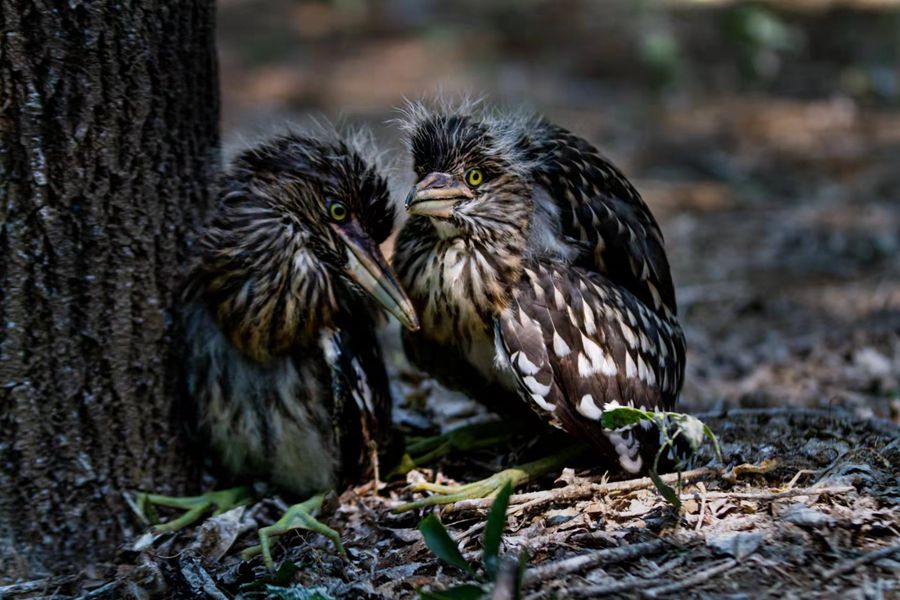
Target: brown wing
x,y
576,343
603,215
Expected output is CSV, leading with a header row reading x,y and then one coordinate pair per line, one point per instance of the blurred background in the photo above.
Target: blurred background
x,y
764,136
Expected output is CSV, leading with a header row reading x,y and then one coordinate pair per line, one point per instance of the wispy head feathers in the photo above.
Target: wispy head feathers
x,y
445,133
305,170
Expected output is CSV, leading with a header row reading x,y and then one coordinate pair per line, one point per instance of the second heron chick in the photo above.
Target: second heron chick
x,y
280,311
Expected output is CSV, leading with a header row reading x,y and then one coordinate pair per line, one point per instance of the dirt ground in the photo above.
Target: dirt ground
x,y
779,196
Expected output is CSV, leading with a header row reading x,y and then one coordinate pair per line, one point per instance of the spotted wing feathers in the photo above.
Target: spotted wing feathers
x,y
576,343
602,215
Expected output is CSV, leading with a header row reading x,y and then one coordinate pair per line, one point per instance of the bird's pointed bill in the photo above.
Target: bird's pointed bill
x,y
436,195
367,267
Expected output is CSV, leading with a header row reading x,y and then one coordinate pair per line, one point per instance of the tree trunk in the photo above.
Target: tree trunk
x,y
108,141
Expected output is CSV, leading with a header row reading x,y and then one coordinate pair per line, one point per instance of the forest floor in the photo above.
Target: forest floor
x,y
806,503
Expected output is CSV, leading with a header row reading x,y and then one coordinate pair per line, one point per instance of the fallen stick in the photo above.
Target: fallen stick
x,y
593,559
617,587
852,565
580,491
698,577
24,587
813,491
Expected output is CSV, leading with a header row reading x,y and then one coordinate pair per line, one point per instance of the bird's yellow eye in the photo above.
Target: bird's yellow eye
x,y
338,211
474,177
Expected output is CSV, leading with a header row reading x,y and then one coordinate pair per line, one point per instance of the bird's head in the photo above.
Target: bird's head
x,y
473,179
299,224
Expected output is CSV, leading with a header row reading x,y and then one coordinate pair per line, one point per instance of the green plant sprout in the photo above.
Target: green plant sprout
x,y
442,545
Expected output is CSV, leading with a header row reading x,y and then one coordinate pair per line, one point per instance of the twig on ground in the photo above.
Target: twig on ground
x,y
617,586
852,565
554,538
614,587
595,558
654,571
796,477
630,485
699,576
103,589
34,585
468,533
520,503
581,491
843,489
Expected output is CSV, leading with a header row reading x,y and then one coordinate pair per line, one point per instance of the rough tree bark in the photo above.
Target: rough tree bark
x,y
108,139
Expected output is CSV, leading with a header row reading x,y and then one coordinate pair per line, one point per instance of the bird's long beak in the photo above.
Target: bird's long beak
x,y
436,195
367,267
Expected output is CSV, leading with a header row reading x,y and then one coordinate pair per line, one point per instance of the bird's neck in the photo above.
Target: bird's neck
x,y
457,283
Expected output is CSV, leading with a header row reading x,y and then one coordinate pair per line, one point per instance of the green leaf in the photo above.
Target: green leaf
x,y
715,441
460,592
623,416
493,531
667,492
689,428
439,541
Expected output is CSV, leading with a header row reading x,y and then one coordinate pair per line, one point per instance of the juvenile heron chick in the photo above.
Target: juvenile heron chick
x,y
537,269
280,309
